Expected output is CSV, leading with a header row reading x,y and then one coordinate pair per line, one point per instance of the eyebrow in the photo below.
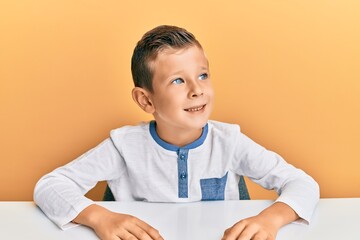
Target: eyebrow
x,y
205,68
181,71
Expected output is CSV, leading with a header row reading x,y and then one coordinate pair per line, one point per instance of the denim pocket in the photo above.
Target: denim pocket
x,y
213,188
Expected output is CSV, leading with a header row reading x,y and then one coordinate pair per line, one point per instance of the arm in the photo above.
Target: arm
x,y
264,226
295,188
110,225
60,194
299,193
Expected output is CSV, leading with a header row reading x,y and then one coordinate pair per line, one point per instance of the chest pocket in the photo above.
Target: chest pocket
x,y
213,188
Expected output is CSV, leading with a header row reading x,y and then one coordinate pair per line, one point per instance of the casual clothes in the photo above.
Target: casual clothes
x,y
139,166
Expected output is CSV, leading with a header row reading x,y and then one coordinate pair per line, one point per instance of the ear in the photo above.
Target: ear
x,y
142,99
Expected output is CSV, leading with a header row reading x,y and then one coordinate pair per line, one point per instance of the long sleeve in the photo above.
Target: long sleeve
x,y
294,186
60,194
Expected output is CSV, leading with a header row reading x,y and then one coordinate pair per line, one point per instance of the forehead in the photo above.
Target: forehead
x,y
174,59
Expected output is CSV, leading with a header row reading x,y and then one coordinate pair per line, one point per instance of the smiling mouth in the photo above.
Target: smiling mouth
x,y
195,109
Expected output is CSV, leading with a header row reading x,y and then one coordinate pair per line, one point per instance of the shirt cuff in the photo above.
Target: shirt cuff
x,y
65,223
304,215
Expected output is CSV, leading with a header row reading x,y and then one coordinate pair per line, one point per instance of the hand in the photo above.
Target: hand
x,y
115,226
264,226
121,226
254,228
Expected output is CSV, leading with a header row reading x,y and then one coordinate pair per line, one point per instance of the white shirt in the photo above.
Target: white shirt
x,y
139,166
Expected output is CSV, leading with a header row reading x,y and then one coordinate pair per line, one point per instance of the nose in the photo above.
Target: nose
x,y
195,90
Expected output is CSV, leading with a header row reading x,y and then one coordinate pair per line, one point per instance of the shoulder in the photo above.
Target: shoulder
x,y
222,126
223,129
130,132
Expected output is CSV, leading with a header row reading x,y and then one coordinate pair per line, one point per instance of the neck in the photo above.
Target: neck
x,y
179,137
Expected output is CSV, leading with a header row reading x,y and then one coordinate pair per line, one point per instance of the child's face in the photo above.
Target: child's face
x,y
182,93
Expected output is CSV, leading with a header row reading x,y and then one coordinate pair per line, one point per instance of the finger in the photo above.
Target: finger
x,y
233,232
141,230
260,236
248,233
114,238
152,232
139,233
125,235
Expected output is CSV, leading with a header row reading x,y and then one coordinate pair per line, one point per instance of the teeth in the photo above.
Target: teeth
x,y
194,109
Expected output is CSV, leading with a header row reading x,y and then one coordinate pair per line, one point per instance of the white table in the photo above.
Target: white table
x,y
333,219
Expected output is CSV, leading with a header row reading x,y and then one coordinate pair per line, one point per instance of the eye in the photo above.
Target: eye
x,y
178,81
203,76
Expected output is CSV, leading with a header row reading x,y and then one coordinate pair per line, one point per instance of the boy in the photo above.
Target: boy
x,y
175,157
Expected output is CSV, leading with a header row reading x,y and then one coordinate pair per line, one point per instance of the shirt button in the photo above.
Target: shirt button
x,y
183,175
182,157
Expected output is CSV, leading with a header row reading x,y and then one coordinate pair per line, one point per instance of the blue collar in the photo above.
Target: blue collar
x,y
168,146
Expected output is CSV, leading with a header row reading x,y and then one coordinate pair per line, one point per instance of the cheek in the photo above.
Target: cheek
x,y
210,92
165,102
211,99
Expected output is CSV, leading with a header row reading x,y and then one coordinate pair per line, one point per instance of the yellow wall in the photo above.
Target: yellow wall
x,y
287,71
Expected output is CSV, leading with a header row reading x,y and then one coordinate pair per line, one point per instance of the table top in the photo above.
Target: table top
x,y
333,219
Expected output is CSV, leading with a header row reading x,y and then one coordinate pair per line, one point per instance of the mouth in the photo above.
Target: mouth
x,y
195,109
